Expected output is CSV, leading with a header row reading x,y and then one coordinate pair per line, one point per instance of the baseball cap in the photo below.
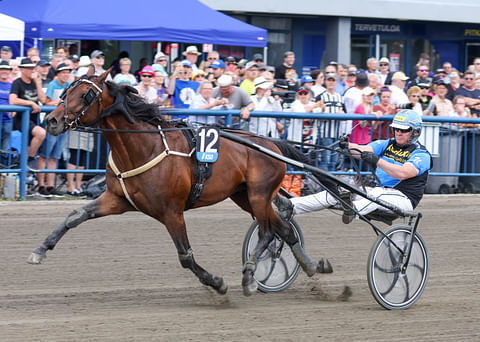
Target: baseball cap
x,y
96,54
362,80
438,80
218,64
26,63
368,91
225,80
231,59
270,68
399,75
352,72
5,65
423,85
73,58
61,67
43,62
384,60
303,89
250,64
187,63
242,63
306,79
6,48
440,71
257,56
288,53
147,69
262,66
330,75
121,78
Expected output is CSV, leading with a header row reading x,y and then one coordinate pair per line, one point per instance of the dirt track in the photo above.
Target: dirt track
x,y
119,279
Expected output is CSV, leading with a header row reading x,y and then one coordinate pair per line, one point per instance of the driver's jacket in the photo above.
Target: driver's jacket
x,y
415,154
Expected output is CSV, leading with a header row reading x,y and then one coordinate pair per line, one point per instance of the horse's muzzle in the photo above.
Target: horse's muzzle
x,y
53,126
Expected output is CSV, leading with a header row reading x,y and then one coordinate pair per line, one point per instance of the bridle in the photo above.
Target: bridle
x,y
93,93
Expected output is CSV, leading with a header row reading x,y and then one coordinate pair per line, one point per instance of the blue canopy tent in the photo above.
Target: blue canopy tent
x,y
184,21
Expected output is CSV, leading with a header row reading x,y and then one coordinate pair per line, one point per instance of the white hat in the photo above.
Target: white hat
x,y
261,82
399,76
384,60
84,61
158,55
192,49
225,80
368,91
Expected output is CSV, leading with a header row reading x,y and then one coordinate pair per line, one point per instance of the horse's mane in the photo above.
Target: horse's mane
x,y
128,103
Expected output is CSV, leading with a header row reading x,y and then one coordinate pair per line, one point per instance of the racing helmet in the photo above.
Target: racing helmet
x,y
406,119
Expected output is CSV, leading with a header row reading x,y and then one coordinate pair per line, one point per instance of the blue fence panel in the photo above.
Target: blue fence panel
x,y
453,141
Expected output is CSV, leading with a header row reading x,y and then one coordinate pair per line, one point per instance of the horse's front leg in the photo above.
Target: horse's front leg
x,y
107,204
176,227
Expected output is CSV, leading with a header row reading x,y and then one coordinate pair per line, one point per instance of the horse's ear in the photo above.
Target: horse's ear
x,y
104,76
91,70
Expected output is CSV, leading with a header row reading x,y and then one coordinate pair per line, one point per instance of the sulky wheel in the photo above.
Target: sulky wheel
x,y
394,287
277,268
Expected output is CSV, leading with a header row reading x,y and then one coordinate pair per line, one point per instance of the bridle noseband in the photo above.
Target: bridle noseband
x,y
92,94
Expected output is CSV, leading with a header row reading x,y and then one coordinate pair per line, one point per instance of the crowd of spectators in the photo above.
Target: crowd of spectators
x,y
232,83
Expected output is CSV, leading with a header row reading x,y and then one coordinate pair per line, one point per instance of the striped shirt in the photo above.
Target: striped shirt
x,y
333,104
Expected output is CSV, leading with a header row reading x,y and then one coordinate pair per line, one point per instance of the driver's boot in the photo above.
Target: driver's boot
x,y
348,213
284,207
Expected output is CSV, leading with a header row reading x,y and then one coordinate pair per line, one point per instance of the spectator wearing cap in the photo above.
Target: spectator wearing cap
x,y
27,91
351,77
145,88
425,97
372,66
257,58
385,73
251,72
231,63
5,117
399,79
97,58
181,86
218,68
52,147
125,65
240,71
191,53
318,77
233,98
6,53
162,61
43,68
307,82
330,102
286,70
380,129
361,128
203,99
303,130
440,105
75,59
264,101
471,94
352,98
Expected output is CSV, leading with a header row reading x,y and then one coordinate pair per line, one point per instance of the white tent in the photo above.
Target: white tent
x,y
12,29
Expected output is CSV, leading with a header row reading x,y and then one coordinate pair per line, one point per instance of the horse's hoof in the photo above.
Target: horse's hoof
x,y
310,269
249,289
223,288
36,258
324,266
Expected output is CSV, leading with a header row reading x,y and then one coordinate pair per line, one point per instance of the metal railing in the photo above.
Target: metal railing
x,y
445,135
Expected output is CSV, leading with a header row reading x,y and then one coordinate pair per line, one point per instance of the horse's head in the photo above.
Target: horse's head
x,y
81,104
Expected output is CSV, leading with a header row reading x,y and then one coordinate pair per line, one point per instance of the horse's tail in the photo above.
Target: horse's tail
x,y
291,152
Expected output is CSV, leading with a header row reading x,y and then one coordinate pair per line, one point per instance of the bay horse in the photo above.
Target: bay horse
x,y
157,173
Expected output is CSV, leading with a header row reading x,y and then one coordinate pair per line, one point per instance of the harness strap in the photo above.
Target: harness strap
x,y
145,167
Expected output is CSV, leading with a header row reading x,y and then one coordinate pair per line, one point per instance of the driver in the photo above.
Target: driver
x,y
402,170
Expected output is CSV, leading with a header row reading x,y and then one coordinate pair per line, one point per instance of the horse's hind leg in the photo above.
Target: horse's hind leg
x,y
105,205
175,224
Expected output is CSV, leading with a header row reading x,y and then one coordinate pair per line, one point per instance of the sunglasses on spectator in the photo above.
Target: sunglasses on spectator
x,y
415,95
402,130
423,70
383,64
422,87
211,58
303,93
147,75
468,79
162,60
